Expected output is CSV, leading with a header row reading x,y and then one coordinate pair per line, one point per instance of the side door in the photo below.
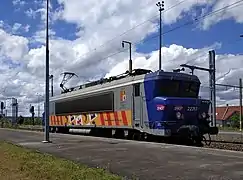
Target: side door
x,y
137,105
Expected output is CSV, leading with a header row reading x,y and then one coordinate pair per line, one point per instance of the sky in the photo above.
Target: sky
x,y
85,38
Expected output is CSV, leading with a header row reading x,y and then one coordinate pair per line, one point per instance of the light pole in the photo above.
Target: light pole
x,y
241,98
130,53
47,77
51,77
161,8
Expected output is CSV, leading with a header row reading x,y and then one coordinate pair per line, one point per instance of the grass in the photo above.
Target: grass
x,y
229,129
24,164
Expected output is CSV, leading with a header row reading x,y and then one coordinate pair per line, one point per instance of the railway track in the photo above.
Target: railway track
x,y
235,146
227,142
208,141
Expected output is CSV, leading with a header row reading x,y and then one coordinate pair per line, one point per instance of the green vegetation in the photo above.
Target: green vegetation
x,y
29,121
5,123
23,164
235,121
229,128
233,124
26,123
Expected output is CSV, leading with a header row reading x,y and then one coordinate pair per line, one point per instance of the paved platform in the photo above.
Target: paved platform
x,y
131,158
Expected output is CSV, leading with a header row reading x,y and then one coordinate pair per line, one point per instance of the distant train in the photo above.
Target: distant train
x,y
136,105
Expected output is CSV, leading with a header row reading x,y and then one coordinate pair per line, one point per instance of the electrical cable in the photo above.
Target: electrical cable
x,y
136,26
178,27
198,19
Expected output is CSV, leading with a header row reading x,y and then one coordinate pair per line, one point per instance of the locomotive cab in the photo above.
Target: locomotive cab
x,y
174,105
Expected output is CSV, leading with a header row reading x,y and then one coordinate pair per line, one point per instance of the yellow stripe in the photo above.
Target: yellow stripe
x,y
129,117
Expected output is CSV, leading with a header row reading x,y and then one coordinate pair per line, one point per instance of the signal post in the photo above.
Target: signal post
x,y
212,83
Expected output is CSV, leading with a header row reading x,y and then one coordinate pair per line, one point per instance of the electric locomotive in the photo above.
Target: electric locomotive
x,y
136,104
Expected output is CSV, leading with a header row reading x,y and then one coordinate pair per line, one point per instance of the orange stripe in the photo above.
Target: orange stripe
x,y
55,121
62,120
120,118
102,119
52,117
124,118
109,119
116,118
112,119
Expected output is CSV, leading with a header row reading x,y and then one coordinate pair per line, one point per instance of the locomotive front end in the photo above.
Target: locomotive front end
x,y
177,109
186,118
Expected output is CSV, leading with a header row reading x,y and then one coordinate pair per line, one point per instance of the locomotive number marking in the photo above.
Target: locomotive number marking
x,y
191,109
178,108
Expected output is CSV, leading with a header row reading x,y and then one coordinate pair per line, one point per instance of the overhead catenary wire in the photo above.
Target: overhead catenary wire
x,y
178,27
198,19
134,27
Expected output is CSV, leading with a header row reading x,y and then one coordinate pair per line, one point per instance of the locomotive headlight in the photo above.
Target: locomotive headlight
x,y
178,115
204,115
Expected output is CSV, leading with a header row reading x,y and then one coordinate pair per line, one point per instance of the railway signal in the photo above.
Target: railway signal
x,y
2,107
32,111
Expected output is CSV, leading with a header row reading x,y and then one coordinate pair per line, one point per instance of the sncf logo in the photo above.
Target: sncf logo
x,y
160,107
123,95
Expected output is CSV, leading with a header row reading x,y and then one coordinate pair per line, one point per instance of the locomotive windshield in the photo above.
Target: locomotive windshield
x,y
177,88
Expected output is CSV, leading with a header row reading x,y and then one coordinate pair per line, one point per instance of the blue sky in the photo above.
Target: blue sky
x,y
227,32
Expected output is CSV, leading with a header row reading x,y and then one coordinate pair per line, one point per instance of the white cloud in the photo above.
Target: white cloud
x,y
31,13
13,47
223,10
16,27
97,24
18,2
19,28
